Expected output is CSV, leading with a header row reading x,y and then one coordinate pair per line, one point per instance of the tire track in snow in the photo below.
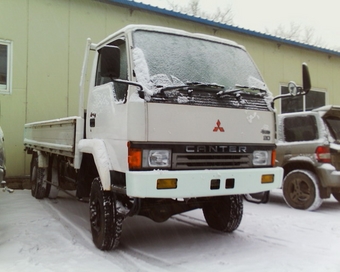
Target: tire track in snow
x,y
74,229
144,261
200,223
129,259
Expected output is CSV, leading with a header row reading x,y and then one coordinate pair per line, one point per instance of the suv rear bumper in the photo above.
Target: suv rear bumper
x,y
329,176
198,183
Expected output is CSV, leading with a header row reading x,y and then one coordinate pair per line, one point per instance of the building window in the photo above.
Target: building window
x,y
312,100
5,66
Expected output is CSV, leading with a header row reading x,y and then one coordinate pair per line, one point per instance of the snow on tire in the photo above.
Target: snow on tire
x,y
301,191
224,213
106,225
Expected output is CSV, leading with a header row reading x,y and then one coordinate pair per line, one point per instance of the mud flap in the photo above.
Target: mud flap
x,y
257,198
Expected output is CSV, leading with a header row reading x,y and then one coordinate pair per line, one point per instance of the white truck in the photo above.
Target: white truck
x,y
174,121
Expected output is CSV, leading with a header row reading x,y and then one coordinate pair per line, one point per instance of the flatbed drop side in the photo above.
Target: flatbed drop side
x,y
159,137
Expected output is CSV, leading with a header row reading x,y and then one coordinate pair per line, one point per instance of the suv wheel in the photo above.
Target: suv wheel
x,y
301,191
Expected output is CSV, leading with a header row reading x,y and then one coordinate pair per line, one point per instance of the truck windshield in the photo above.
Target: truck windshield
x,y
163,60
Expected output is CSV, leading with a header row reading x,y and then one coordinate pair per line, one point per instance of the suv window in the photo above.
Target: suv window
x,y
300,128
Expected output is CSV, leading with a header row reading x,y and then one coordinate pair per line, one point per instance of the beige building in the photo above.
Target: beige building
x,y
42,44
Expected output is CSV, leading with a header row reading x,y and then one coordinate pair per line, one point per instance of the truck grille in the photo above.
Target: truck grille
x,y
210,161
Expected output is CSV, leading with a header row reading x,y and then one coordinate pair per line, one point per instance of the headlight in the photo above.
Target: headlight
x,y
157,158
262,157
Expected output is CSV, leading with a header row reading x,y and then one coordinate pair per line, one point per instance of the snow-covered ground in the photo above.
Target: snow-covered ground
x,y
54,235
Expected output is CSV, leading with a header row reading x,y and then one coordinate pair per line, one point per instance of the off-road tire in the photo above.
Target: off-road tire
x,y
224,213
301,191
37,175
106,224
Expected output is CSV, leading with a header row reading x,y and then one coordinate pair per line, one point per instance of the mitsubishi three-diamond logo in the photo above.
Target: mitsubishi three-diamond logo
x,y
218,127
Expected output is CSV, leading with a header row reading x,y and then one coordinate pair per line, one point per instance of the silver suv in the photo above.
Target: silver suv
x,y
308,149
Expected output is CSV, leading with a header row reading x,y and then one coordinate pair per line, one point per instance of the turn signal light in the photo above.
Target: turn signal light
x,y
267,178
166,183
273,158
135,158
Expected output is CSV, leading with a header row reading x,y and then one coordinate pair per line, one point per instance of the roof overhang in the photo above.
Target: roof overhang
x,y
218,25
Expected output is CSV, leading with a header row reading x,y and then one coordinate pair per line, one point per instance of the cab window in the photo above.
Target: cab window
x,y
120,89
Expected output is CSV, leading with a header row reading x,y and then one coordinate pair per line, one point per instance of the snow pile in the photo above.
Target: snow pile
x,y
54,235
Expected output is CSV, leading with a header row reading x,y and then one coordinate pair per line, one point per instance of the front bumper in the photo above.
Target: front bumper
x,y
197,183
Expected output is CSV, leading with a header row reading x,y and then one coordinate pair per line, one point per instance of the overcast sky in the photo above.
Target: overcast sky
x,y
260,15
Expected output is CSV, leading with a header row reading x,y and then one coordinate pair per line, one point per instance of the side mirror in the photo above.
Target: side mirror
x,y
295,90
110,61
306,78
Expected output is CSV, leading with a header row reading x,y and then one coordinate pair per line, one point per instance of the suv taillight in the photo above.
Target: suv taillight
x,y
323,154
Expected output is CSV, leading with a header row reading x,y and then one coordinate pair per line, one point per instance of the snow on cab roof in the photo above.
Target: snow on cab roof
x,y
133,27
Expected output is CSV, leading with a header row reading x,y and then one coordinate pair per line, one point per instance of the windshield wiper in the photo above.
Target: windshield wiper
x,y
251,88
193,86
213,86
241,89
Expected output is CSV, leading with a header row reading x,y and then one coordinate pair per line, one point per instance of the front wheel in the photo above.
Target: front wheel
x,y
224,213
106,225
301,191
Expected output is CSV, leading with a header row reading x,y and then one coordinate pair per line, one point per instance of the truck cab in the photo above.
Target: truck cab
x,y
185,115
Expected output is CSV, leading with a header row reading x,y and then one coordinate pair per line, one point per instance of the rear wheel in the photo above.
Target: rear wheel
x,y
52,189
37,176
301,191
224,213
106,225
